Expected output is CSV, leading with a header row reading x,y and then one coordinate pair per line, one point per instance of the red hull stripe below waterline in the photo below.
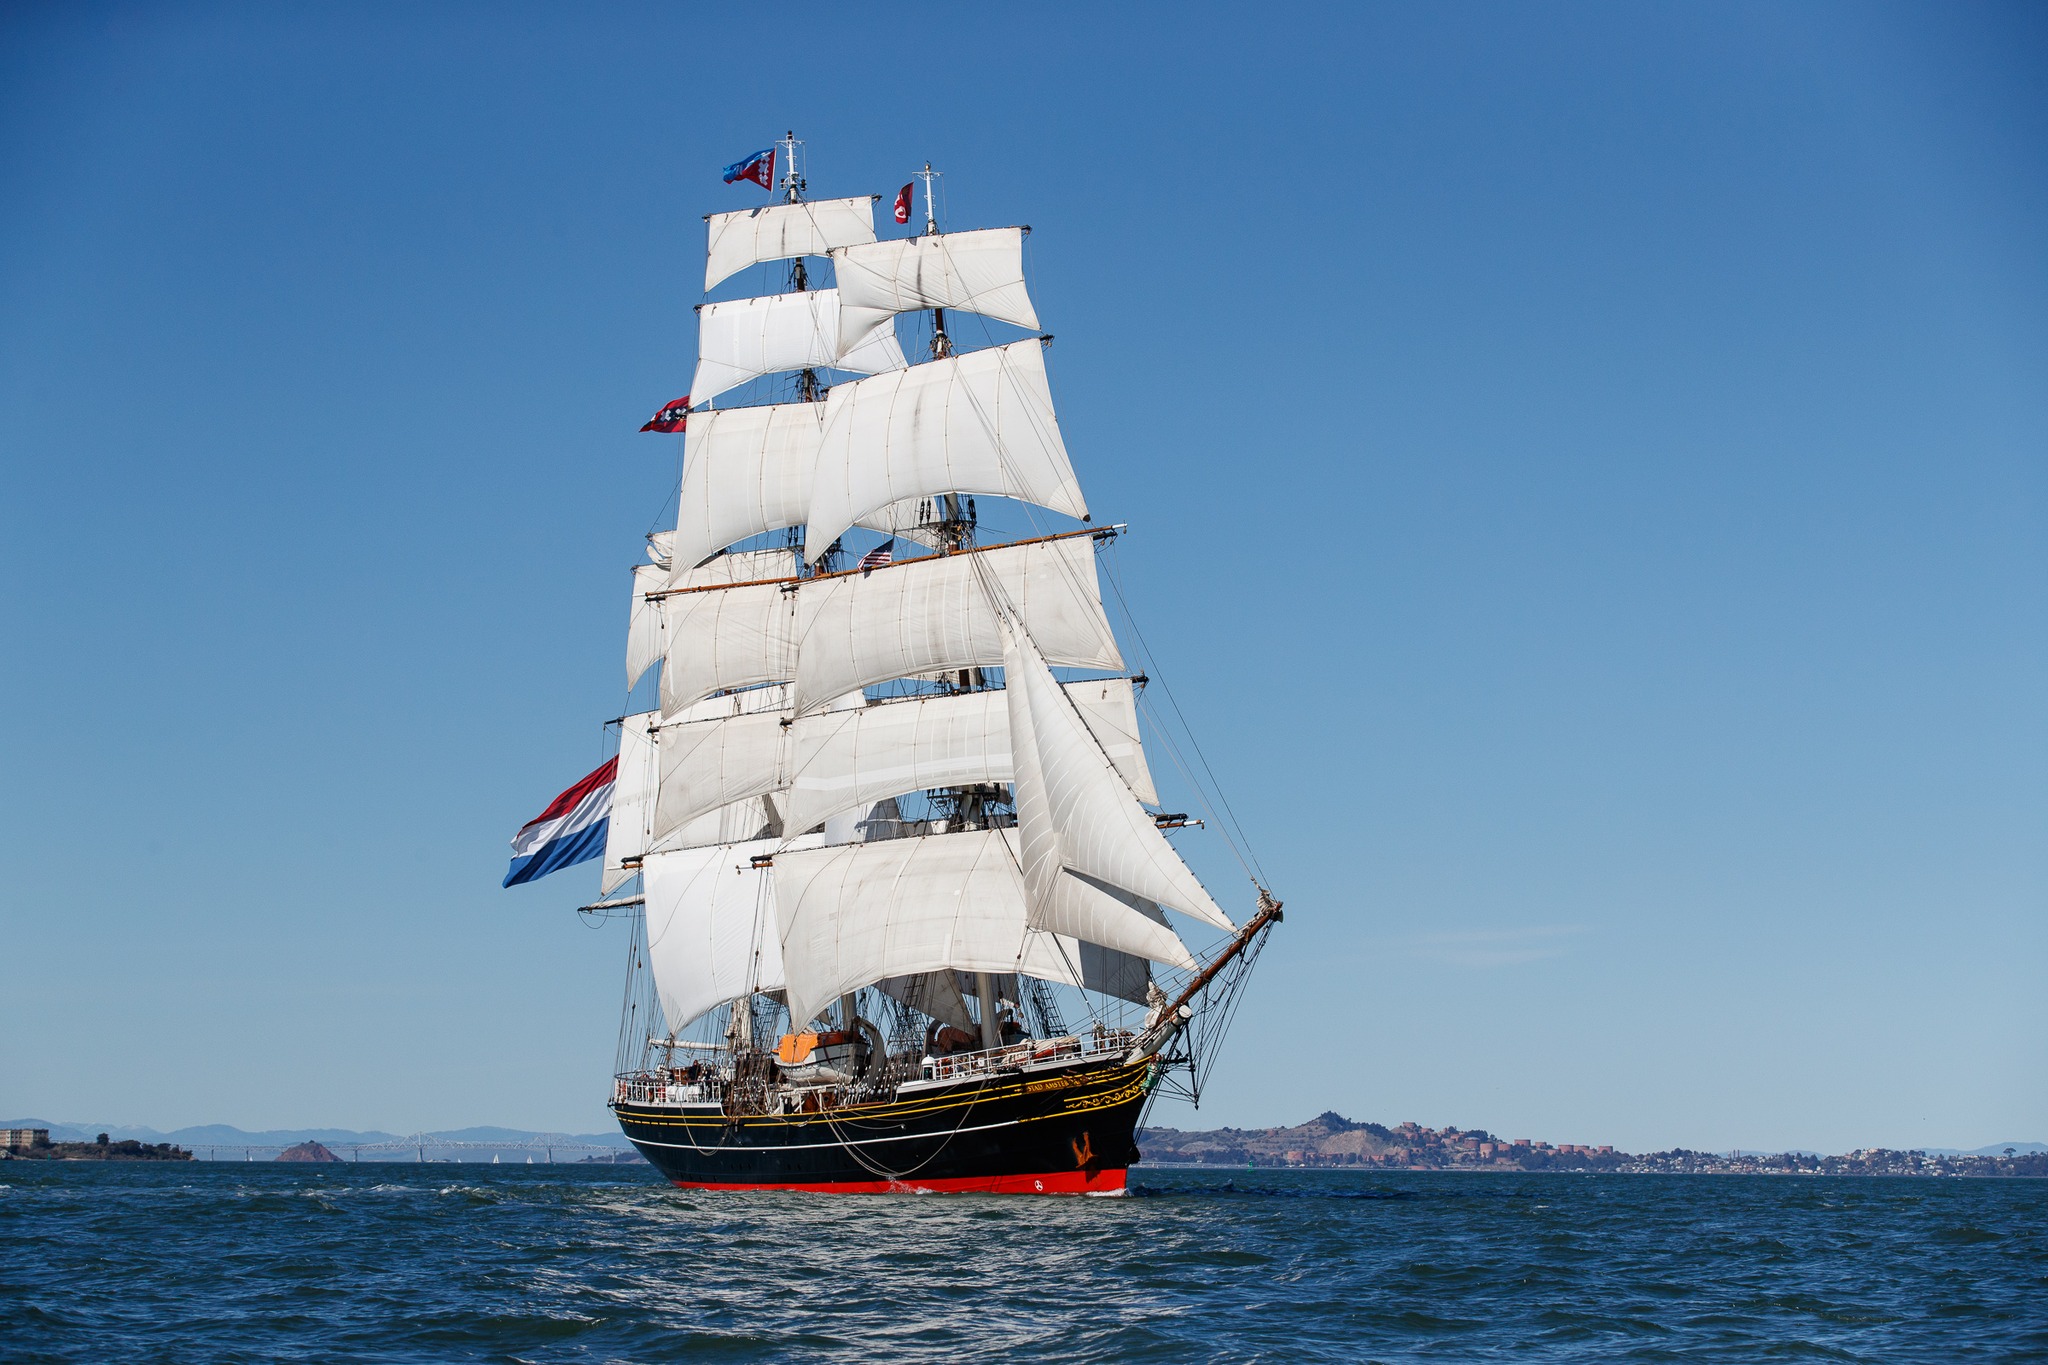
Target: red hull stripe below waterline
x,y
1056,1182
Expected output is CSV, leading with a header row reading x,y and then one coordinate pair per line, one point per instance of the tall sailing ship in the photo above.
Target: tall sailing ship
x,y
906,913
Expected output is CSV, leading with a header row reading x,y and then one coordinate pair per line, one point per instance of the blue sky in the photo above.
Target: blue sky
x,y
1586,468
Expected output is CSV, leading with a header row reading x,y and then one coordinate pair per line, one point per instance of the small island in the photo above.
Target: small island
x,y
33,1144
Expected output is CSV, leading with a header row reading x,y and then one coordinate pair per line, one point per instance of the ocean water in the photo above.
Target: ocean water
x,y
234,1262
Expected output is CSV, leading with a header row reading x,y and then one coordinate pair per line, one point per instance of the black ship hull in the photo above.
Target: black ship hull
x,y
1069,1131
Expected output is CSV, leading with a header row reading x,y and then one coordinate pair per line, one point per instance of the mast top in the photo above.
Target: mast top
x,y
931,218
792,184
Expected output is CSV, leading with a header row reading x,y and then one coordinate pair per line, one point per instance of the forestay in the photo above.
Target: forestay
x,y
777,232
976,423
746,338
975,272
925,615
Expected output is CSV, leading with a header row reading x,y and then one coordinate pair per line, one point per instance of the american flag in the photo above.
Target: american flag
x,y
877,557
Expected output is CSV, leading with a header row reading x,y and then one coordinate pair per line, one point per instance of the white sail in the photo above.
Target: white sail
x,y
976,423
709,763
724,638
737,823
849,760
746,338
711,928
975,272
1109,708
737,566
748,470
646,629
1097,827
925,615
1125,976
1059,901
776,232
751,702
861,913
626,831
643,625
937,994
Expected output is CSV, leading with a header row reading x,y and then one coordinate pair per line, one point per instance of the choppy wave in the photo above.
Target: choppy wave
x,y
546,1263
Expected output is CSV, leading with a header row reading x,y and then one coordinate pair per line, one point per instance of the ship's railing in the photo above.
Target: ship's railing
x,y
659,1088
641,1088
1032,1052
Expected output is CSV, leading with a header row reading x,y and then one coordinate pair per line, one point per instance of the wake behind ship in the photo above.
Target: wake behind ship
x,y
906,915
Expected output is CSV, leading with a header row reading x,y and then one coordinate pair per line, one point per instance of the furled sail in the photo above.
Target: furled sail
x,y
924,615
776,232
975,272
711,927
626,831
746,338
1075,813
976,423
857,914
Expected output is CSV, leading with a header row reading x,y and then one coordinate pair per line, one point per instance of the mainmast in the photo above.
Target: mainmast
x,y
799,280
954,522
942,345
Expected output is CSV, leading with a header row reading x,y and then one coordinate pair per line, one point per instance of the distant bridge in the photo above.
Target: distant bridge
x,y
422,1147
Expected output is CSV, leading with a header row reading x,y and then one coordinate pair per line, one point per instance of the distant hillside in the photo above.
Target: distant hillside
x,y
1330,1139
219,1141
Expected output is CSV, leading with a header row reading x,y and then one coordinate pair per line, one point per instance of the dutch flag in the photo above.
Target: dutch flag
x,y
571,830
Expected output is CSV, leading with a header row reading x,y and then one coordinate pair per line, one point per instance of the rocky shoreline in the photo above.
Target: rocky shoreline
x,y
1332,1141
102,1150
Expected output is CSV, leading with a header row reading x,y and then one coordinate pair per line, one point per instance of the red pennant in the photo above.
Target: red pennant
x,y
670,418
